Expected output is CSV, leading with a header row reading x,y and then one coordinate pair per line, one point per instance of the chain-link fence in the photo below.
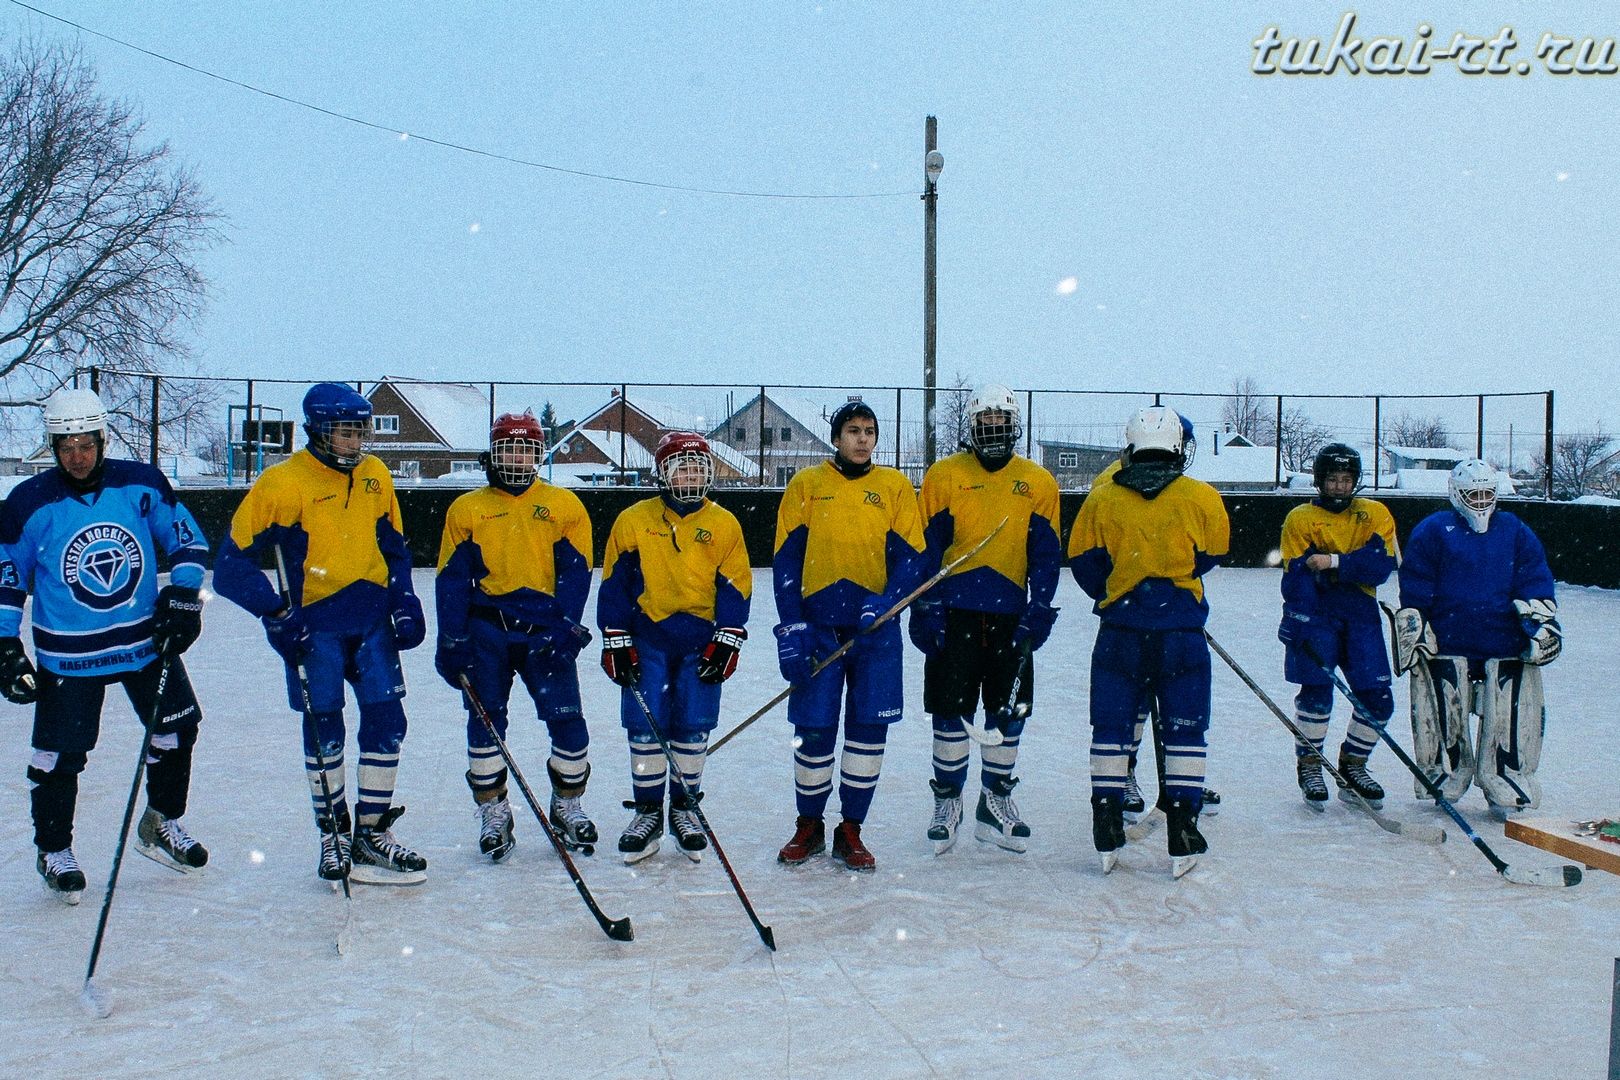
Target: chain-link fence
x,y
213,431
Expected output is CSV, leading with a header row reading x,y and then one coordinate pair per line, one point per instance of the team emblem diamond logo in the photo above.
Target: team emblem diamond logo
x,y
102,565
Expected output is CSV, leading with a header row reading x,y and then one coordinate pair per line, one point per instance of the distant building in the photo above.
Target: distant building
x,y
425,430
777,436
1224,459
1075,464
614,446
1421,468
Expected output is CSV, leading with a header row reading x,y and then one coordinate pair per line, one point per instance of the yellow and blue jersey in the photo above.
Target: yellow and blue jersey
x,y
671,578
90,561
1362,535
841,540
526,556
1142,560
341,537
962,503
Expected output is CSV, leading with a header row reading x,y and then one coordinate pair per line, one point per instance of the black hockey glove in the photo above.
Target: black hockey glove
x,y
719,657
288,634
1035,625
177,619
619,657
410,628
452,658
18,680
1291,631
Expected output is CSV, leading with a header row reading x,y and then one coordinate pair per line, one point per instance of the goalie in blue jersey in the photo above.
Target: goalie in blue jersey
x,y
83,539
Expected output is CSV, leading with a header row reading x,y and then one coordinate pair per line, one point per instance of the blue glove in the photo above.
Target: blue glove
x,y
452,658
288,634
927,627
562,642
1035,625
800,647
871,611
1293,627
410,628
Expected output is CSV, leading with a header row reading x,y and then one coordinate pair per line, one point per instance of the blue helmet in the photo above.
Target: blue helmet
x,y
336,408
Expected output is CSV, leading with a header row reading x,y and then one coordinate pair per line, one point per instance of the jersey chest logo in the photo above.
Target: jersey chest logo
x,y
372,487
873,499
102,565
542,513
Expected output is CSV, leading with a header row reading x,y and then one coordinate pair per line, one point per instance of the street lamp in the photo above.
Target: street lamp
x,y
933,165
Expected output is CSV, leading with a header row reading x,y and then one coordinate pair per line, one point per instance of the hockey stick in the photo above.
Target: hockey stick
x,y
764,931
346,932
905,601
617,929
1555,876
96,999
1428,834
987,735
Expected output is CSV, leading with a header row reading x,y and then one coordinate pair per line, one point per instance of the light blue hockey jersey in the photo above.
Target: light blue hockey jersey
x,y
90,562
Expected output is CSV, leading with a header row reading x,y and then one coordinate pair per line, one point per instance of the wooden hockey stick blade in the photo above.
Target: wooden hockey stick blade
x,y
96,999
980,734
900,605
1140,830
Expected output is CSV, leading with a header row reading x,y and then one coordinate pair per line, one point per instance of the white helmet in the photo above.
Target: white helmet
x,y
72,411
995,437
1473,493
1156,429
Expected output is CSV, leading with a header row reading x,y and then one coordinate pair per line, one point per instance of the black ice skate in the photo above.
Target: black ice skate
x,y
1359,780
165,841
63,878
947,817
641,838
574,828
1311,784
379,859
1186,843
335,860
1108,828
683,824
996,820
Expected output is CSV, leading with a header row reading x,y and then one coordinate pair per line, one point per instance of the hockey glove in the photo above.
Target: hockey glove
x,y
619,657
18,680
1414,640
451,658
927,628
1291,631
289,634
177,619
1035,625
871,611
562,643
410,628
719,657
1540,621
799,647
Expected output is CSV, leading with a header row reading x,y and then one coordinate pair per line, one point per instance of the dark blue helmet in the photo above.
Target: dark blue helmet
x,y
1336,458
848,411
336,408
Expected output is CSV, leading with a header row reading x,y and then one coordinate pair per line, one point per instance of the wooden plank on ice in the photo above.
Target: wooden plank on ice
x,y
1558,837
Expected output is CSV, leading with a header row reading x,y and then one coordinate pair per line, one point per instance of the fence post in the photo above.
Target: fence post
x,y
762,436
247,448
1277,478
1378,438
1547,449
897,463
624,422
156,381
1479,434
1029,424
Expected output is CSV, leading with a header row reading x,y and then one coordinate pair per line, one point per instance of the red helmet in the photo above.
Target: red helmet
x,y
681,448
517,442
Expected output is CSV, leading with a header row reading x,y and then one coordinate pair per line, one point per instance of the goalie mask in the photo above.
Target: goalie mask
x,y
685,467
994,424
1473,493
337,421
1331,460
73,411
517,444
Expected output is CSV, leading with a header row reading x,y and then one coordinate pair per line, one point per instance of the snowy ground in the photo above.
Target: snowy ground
x,y
1302,946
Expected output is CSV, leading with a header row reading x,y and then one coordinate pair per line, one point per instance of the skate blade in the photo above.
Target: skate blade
x,y
163,858
1110,859
633,857
69,897
1346,796
942,846
1319,807
989,834
696,856
1180,864
376,875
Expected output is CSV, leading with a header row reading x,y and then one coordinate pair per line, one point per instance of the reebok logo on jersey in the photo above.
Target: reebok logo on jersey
x,y
873,499
542,513
102,566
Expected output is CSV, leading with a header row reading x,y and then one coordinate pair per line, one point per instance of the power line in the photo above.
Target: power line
x,y
447,144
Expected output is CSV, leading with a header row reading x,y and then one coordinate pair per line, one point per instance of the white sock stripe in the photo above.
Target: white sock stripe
x,y
1000,758
804,762
857,784
378,761
1311,717
570,755
823,788
863,748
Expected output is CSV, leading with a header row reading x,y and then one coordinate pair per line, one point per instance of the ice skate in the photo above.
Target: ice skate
x,y
61,874
1311,784
1108,828
379,859
166,842
1134,804
684,826
495,837
1359,781
996,820
335,861
574,828
947,819
1185,842
642,836
849,850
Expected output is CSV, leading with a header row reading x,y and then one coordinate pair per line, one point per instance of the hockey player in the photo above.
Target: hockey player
x,y
514,571
978,627
83,539
1336,550
1140,547
848,547
1478,620
673,609
329,514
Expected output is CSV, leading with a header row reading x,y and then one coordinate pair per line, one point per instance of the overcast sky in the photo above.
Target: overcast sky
x,y
1125,204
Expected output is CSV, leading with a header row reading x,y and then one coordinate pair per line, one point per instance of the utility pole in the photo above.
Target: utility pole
x,y
933,164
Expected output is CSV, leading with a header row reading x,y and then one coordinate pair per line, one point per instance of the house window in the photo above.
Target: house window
x,y
739,435
1068,459
784,473
464,467
409,470
765,437
385,425
787,434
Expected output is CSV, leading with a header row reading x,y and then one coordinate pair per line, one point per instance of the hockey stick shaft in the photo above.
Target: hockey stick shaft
x,y
679,777
1385,823
129,816
617,929
313,734
904,602
1571,875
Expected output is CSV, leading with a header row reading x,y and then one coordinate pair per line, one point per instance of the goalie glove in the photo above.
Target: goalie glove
x,y
1539,618
719,657
619,657
1414,639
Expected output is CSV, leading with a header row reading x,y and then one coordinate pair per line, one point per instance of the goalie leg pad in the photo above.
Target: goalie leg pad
x,y
1440,743
1512,722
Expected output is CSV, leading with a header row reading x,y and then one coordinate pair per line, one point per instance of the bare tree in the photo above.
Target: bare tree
x,y
1409,430
951,415
1302,437
98,231
1582,464
1245,411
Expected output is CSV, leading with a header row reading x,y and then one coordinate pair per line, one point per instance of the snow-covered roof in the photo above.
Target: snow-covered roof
x,y
1427,453
670,416
636,456
733,457
579,475
459,412
1234,464
809,414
